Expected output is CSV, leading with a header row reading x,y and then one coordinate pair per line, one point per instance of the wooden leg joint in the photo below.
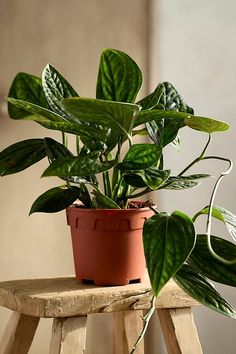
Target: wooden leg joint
x,y
179,331
68,335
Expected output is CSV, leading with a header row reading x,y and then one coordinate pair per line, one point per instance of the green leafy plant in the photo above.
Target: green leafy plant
x,y
105,130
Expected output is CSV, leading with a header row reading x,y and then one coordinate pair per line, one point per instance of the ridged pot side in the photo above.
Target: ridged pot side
x,y
107,244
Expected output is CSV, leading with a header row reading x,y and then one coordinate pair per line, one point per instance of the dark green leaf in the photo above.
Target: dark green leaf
x,y
200,289
152,100
158,115
55,89
103,202
78,166
155,131
168,241
184,182
206,125
119,77
165,131
141,156
210,267
35,110
150,177
19,156
223,215
171,99
116,115
25,87
54,149
55,199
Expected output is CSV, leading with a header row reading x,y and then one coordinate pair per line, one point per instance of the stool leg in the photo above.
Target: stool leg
x,y
179,331
127,326
18,334
68,335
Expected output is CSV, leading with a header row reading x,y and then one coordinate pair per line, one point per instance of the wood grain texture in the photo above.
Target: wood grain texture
x,y
179,331
68,335
127,326
18,334
66,297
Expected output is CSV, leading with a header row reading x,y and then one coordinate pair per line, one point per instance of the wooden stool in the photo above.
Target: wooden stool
x,y
69,302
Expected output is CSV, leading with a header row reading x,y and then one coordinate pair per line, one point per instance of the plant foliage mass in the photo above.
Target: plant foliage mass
x,y
105,131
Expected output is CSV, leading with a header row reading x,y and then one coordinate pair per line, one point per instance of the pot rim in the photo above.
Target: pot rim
x,y
89,210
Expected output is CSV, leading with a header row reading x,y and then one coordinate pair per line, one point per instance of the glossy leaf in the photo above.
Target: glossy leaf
x,y
119,77
21,155
84,131
165,131
184,182
54,149
210,267
171,99
152,100
116,115
55,88
55,199
168,241
158,115
34,109
103,202
141,156
224,215
151,177
25,87
77,166
200,289
206,125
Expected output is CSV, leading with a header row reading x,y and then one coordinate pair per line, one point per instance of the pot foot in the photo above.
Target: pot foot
x,y
110,283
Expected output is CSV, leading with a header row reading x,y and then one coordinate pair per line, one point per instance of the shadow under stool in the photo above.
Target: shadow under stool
x,y
69,303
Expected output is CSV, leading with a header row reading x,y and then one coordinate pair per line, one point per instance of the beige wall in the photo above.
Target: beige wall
x,y
196,50
70,35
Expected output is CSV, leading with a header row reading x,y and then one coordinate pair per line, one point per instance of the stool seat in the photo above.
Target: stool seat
x,y
69,302
66,297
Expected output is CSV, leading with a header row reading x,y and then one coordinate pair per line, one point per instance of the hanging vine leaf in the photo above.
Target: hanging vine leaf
x,y
210,267
200,289
224,215
168,241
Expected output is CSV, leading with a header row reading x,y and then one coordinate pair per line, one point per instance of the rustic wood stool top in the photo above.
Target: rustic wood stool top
x,y
69,302
66,297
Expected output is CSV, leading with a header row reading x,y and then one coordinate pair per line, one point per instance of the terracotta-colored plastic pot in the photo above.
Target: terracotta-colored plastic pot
x,y
107,244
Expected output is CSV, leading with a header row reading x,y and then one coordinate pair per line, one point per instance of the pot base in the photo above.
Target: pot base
x,y
117,282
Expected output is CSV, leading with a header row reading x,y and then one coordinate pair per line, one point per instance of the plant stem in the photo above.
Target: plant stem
x,y
146,320
199,158
77,145
106,183
209,215
63,138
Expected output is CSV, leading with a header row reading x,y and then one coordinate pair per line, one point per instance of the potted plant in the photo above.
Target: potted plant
x,y
105,131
